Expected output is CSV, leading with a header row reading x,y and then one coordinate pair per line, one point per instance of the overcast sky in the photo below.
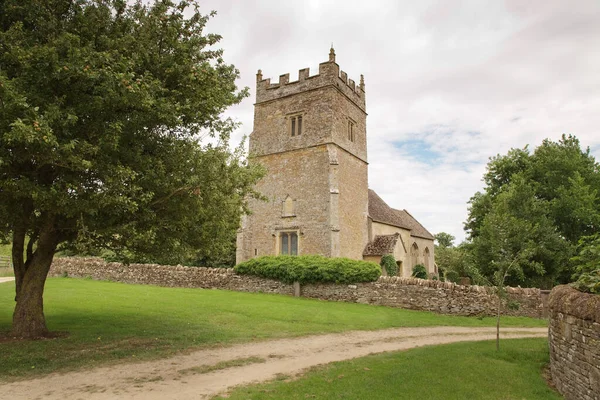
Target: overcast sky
x,y
448,83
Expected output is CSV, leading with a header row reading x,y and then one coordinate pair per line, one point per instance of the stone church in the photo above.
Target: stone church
x,y
311,136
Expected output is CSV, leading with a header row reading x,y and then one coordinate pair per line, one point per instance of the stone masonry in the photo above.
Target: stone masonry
x,y
320,169
311,136
574,339
410,293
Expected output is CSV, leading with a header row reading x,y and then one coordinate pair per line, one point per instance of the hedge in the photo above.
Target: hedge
x,y
310,269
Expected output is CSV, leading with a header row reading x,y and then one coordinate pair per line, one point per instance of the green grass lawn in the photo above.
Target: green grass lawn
x,y
6,272
6,250
455,371
109,322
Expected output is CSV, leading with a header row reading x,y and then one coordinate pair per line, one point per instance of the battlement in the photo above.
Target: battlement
x,y
329,75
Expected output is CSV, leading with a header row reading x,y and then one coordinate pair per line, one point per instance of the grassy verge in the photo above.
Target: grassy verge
x,y
109,322
455,371
6,272
6,250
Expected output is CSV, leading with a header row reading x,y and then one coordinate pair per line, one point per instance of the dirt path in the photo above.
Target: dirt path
x,y
7,279
189,376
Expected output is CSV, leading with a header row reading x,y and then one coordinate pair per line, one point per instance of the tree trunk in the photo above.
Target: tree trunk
x,y
18,247
28,317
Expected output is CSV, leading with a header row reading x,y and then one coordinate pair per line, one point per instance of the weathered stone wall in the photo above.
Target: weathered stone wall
x,y
410,293
165,275
574,338
287,176
353,204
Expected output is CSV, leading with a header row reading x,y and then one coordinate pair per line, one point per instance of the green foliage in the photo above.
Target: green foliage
x,y
310,269
588,255
419,271
587,264
513,305
457,259
452,276
444,239
533,211
388,261
589,282
105,105
518,233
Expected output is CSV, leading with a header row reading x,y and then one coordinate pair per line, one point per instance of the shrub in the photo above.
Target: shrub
x,y
588,282
310,269
452,276
419,271
587,261
389,263
433,277
513,305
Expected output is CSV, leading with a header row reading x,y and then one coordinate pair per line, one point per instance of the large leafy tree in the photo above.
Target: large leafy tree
x,y
533,211
102,104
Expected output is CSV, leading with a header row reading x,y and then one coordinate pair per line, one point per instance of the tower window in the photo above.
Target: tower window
x,y
288,207
296,125
351,134
288,243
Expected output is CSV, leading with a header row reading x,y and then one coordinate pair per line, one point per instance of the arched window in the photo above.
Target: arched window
x,y
414,255
426,257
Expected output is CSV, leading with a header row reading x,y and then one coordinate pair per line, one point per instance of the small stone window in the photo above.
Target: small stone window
x,y
296,125
288,243
288,207
351,133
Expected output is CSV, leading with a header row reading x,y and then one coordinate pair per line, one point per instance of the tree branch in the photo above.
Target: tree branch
x,y
167,197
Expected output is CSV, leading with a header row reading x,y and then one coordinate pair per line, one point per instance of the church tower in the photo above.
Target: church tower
x,y
310,135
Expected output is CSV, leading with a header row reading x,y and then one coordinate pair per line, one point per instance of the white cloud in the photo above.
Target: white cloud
x,y
468,79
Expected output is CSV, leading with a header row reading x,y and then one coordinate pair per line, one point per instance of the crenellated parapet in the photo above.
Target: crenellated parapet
x,y
329,75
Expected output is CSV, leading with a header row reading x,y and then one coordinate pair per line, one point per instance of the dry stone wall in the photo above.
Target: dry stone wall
x,y
574,338
165,275
410,293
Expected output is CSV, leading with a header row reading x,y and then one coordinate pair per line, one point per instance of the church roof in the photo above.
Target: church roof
x,y
383,244
416,229
379,211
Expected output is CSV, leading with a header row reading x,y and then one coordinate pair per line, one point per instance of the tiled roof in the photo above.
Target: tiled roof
x,y
416,229
383,244
379,211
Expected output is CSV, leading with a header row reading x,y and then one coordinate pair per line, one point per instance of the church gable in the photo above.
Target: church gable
x,y
379,211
